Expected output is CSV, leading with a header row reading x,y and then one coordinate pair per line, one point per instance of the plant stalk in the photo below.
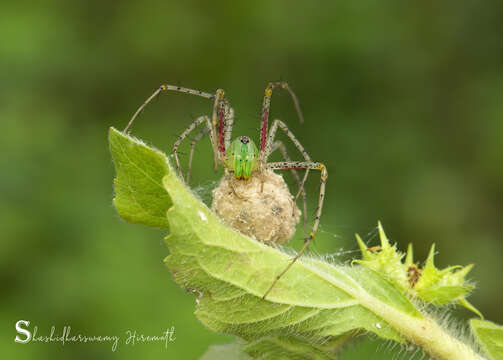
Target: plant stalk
x,y
423,332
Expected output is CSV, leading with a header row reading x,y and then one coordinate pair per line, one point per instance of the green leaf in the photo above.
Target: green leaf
x,y
312,298
290,348
139,194
489,336
313,303
273,348
225,352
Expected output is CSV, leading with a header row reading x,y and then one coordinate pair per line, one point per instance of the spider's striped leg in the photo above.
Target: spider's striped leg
x,y
186,132
193,143
217,126
269,148
170,88
272,134
229,122
279,145
266,105
324,176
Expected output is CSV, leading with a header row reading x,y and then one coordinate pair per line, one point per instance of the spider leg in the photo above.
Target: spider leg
x,y
272,134
218,98
229,122
269,148
193,143
324,176
266,104
166,88
184,135
217,127
224,130
279,145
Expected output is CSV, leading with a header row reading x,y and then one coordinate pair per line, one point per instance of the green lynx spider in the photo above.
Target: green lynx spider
x,y
241,157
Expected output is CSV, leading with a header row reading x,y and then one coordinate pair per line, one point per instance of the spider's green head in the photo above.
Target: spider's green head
x,y
242,157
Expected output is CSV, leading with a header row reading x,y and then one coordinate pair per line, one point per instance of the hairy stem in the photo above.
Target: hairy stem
x,y
424,333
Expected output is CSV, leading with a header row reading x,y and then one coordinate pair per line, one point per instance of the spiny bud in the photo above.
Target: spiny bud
x,y
435,286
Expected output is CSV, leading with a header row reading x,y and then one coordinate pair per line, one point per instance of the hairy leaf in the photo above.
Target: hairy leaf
x,y
225,352
274,348
489,336
139,194
314,304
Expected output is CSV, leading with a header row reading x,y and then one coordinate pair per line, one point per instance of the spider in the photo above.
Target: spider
x,y
241,157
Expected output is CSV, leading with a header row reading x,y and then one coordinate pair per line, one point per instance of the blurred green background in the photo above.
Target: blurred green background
x,y
403,102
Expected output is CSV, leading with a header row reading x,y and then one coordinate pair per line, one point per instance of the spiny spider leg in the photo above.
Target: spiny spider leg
x,y
217,119
218,97
307,240
229,122
279,145
224,128
166,88
308,164
193,143
186,132
301,186
268,148
266,104
270,139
